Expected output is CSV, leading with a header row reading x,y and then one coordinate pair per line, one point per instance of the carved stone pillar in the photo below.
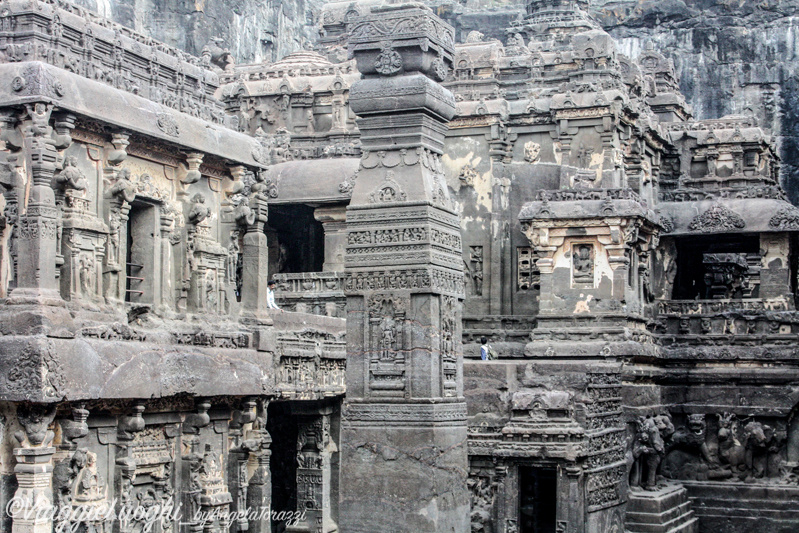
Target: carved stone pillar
x,y
333,224
404,286
241,447
166,299
725,275
314,449
37,231
120,193
36,300
255,260
259,493
34,470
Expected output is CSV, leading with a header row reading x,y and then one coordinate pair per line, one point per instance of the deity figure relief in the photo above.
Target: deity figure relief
x,y
112,244
85,275
124,188
89,487
199,211
388,335
71,177
583,263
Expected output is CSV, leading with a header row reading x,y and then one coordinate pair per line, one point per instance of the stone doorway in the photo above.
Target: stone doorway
x,y
304,466
140,253
537,499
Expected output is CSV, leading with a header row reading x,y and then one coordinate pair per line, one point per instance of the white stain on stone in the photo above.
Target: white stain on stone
x,y
582,305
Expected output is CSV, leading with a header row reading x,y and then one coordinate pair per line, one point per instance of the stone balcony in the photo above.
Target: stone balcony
x,y
749,329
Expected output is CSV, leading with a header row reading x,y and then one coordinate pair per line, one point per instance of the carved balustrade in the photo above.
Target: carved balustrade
x,y
318,293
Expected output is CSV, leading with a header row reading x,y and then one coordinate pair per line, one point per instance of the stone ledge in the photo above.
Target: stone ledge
x,y
126,110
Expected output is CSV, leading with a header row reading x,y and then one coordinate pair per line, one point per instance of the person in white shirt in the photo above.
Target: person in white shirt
x,y
270,296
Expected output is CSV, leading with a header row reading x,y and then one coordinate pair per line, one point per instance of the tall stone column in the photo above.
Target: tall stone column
x,y
404,426
38,225
255,258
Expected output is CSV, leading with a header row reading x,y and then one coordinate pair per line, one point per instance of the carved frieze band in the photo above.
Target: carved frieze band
x,y
445,413
414,279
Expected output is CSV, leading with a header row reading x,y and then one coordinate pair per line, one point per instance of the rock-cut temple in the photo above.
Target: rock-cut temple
x,y
421,198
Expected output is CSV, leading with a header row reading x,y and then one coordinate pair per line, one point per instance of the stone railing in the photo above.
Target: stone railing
x,y
570,195
727,320
318,293
767,192
712,307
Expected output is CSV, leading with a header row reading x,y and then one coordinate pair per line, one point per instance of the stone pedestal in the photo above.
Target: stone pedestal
x,y
404,426
666,510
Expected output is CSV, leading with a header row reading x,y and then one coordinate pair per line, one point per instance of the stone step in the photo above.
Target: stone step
x,y
764,505
690,526
649,518
747,509
667,510
656,501
684,523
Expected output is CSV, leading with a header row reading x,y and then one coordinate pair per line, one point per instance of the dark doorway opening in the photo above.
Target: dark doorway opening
x,y
283,463
141,253
300,245
689,282
537,499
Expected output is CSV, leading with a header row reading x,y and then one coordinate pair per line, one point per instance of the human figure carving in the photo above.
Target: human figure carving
x,y
583,262
199,211
71,177
123,188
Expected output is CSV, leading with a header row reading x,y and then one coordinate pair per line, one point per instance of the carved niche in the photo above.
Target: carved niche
x,y
387,332
582,257
449,349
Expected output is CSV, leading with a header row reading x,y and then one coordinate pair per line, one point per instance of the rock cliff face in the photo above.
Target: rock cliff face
x,y
253,30
731,56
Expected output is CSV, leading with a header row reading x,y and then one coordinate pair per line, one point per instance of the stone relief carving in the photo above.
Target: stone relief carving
x,y
528,275
166,122
389,62
717,218
467,175
532,152
476,269
740,450
785,219
583,264
388,191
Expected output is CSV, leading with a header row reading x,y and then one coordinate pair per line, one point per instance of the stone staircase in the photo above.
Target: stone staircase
x,y
666,510
738,507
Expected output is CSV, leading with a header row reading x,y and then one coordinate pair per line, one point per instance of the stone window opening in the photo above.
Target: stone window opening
x,y
141,250
529,277
717,267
